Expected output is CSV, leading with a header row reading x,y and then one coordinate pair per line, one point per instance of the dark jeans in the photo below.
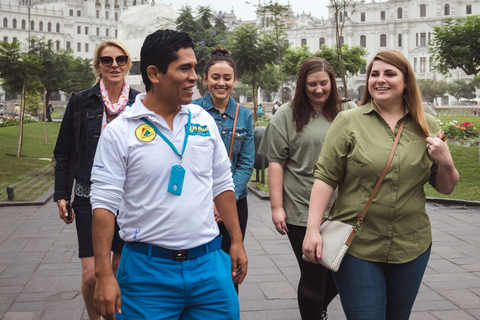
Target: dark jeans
x,y
316,288
242,210
379,291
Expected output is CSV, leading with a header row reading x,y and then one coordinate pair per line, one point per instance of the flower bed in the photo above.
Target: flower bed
x,y
15,121
464,132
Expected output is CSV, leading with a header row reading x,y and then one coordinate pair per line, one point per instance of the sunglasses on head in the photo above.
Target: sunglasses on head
x,y
108,61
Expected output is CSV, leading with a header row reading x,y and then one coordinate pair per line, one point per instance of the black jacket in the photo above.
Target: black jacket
x,y
91,123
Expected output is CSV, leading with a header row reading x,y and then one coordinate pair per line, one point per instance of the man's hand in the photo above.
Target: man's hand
x,y
62,211
239,262
107,299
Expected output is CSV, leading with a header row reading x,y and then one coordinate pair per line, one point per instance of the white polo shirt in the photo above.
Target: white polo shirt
x,y
132,168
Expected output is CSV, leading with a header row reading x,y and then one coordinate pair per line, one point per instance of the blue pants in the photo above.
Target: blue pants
x,y
379,291
158,288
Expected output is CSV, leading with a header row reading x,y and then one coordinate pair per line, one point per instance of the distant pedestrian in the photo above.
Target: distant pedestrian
x,y
16,110
100,105
275,107
49,113
259,111
291,143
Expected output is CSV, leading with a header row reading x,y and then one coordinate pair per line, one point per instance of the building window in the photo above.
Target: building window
x,y
285,42
383,40
423,39
399,13
40,26
340,17
414,64
363,70
116,15
14,39
58,27
49,27
86,30
399,39
79,29
382,15
304,42
5,39
106,15
321,42
24,25
106,32
79,13
363,41
14,24
423,62
416,39
68,45
469,9
341,40
79,47
98,14
32,25
57,45
5,22
71,12
86,47
98,31
447,9
362,16
423,10
116,33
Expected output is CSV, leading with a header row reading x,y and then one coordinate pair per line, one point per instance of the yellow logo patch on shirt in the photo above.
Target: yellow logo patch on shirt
x,y
198,130
145,133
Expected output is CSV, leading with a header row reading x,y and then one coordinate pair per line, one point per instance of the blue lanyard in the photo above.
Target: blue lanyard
x,y
187,129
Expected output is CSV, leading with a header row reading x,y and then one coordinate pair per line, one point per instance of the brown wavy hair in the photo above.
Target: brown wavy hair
x,y
302,108
220,54
411,94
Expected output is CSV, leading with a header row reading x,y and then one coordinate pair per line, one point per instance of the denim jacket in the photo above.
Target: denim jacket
x,y
91,127
243,153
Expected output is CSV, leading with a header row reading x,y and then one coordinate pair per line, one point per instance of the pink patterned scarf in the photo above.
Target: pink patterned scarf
x,y
113,108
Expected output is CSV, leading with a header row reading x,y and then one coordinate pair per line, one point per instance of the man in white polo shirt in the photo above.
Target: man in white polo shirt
x,y
160,165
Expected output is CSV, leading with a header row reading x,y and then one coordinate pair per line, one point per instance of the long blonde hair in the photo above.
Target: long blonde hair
x,y
411,94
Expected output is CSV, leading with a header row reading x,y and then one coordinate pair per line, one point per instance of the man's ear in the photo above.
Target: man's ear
x,y
153,73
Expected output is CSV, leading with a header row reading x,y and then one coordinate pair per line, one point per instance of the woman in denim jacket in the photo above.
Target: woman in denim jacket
x,y
220,78
99,105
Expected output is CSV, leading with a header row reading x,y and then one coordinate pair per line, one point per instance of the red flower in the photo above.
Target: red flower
x,y
463,128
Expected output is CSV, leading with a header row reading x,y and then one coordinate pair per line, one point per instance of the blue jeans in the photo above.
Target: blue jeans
x,y
379,291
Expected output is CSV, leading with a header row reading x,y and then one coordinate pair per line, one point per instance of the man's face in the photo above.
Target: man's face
x,y
176,86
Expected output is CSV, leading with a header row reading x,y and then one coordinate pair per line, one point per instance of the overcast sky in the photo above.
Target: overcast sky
x,y
246,11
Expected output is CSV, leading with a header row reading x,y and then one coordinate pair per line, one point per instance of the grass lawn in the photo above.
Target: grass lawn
x,y
466,162
29,175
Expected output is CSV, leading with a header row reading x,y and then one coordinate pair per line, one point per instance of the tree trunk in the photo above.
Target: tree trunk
x,y
45,113
255,104
20,129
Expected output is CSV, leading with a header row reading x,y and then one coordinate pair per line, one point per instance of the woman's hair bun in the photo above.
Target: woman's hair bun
x,y
220,51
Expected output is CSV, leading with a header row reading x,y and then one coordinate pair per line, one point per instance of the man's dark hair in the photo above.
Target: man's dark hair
x,y
160,49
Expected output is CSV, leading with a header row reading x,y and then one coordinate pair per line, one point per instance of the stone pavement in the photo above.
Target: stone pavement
x,y
40,271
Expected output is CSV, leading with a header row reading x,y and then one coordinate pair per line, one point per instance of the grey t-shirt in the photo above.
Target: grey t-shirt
x,y
299,151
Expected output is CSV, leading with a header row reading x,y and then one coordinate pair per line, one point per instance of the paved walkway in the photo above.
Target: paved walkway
x,y
40,271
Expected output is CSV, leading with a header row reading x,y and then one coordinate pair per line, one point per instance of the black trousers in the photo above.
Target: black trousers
x,y
242,210
316,288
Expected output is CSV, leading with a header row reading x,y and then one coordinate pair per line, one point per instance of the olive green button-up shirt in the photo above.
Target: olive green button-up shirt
x,y
396,228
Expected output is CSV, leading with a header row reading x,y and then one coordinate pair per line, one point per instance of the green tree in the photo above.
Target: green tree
x,y
456,45
205,35
277,13
459,88
270,79
340,8
431,89
19,72
81,75
252,53
293,59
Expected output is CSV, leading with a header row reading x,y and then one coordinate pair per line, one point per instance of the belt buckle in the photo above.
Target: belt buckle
x,y
180,255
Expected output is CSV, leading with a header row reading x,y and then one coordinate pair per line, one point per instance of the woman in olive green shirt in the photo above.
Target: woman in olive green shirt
x,y
292,143
380,275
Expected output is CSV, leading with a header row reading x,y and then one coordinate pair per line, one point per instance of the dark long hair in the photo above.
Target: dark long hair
x,y
302,108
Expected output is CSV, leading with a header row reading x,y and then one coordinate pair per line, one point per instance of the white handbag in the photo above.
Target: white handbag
x,y
336,235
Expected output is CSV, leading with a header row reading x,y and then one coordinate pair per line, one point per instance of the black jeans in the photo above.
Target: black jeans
x,y
316,288
242,210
